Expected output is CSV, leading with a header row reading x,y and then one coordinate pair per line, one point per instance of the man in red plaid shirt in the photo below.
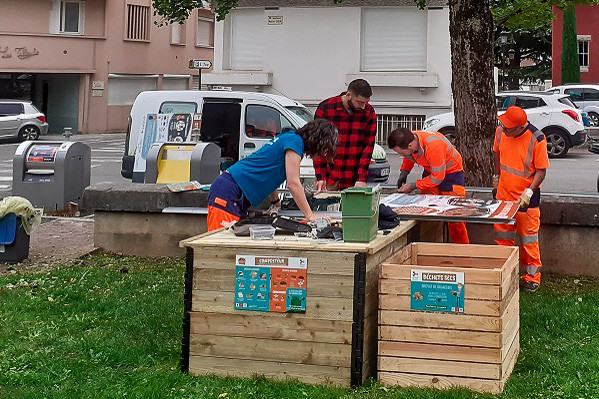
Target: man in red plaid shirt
x,y
356,121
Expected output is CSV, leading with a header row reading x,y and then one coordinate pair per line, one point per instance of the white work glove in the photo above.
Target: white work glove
x,y
524,199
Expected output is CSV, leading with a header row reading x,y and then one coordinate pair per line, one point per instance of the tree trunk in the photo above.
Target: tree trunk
x,y
471,33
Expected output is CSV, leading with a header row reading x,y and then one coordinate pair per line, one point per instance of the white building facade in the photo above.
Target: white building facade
x,y
310,50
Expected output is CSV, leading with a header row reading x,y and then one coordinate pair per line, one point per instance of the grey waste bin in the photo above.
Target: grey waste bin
x,y
50,174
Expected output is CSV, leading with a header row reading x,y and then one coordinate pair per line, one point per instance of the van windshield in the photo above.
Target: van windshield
x,y
301,114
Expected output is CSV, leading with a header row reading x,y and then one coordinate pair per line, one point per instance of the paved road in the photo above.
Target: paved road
x,y
577,173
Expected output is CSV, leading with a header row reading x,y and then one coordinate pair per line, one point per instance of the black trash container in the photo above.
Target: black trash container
x,y
13,239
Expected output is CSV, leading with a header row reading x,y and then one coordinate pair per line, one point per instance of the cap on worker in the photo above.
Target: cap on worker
x,y
514,116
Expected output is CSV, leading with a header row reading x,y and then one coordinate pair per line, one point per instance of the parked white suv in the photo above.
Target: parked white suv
x,y
554,114
585,96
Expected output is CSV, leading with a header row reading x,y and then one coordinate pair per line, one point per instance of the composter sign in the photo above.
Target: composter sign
x,y
437,291
270,283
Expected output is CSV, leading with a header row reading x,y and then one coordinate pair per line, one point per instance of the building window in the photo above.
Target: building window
x,y
67,16
583,52
138,22
205,32
245,39
385,124
178,33
393,39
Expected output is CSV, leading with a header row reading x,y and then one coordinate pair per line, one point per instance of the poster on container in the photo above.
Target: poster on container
x,y
437,291
449,208
160,128
270,283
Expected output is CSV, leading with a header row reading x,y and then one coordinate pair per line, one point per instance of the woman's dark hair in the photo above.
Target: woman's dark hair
x,y
320,138
400,137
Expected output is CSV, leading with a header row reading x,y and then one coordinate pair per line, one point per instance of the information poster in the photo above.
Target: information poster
x,y
161,128
437,291
448,208
270,283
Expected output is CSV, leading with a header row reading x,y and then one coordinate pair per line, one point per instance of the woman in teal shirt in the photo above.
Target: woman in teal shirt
x,y
252,179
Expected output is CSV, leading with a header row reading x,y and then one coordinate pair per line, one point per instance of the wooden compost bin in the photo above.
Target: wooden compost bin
x,y
476,349
332,343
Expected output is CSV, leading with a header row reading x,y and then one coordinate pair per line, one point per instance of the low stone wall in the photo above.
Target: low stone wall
x,y
129,220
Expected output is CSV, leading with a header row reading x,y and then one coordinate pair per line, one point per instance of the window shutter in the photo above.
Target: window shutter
x,y
123,90
394,39
247,39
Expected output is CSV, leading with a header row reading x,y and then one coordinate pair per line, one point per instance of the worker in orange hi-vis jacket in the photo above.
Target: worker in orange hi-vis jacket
x,y
521,163
442,165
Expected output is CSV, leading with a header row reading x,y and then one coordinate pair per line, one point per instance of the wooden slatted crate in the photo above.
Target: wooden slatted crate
x,y
333,343
476,349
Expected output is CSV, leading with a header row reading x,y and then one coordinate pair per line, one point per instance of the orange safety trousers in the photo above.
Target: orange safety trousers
x,y
526,231
457,231
217,216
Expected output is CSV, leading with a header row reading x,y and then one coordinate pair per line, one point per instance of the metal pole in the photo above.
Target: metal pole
x,y
199,79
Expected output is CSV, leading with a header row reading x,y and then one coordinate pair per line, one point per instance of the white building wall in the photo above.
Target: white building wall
x,y
315,53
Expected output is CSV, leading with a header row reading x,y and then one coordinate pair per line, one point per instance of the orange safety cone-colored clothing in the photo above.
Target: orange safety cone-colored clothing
x,y
442,164
217,216
520,157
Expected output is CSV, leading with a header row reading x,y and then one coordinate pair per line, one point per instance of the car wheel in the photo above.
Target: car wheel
x,y
449,132
557,143
594,118
29,133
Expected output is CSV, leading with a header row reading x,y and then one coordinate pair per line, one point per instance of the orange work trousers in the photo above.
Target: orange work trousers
x,y
217,216
526,232
457,231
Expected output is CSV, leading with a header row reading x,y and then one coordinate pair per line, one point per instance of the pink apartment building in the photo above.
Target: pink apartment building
x,y
83,62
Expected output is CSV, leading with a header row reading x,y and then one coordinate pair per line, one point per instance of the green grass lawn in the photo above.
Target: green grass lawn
x,y
92,330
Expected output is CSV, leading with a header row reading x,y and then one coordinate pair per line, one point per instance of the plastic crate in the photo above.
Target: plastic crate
x,y
360,213
18,249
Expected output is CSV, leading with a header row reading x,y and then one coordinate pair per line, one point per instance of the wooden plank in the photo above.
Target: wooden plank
x,y
440,336
465,250
511,328
316,307
226,239
456,261
443,367
439,320
373,260
404,255
471,306
301,352
512,355
273,326
440,352
310,374
439,382
480,276
471,290
509,281
318,284
511,312
338,263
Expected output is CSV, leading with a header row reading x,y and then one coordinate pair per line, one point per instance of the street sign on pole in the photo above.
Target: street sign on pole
x,y
199,65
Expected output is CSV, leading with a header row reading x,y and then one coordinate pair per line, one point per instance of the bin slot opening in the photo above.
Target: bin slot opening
x,y
40,171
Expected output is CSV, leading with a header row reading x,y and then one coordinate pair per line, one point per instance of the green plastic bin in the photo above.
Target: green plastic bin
x,y
360,213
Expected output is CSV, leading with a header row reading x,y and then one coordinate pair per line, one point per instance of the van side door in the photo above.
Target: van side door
x,y
262,121
221,123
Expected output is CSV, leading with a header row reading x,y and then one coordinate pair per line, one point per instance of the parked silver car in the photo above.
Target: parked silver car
x,y
22,120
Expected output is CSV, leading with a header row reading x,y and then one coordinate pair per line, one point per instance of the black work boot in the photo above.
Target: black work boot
x,y
529,286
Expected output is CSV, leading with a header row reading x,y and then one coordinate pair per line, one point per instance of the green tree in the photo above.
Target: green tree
x,y
569,57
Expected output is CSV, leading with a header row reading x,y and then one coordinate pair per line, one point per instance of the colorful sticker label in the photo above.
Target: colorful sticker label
x,y
270,283
437,291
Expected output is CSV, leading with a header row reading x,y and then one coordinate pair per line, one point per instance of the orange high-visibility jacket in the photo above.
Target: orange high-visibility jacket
x,y
519,159
436,155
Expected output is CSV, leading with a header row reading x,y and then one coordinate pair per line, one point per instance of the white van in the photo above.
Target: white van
x,y
238,122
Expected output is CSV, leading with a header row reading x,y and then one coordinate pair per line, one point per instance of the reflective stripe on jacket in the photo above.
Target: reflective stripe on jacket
x,y
436,155
519,159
